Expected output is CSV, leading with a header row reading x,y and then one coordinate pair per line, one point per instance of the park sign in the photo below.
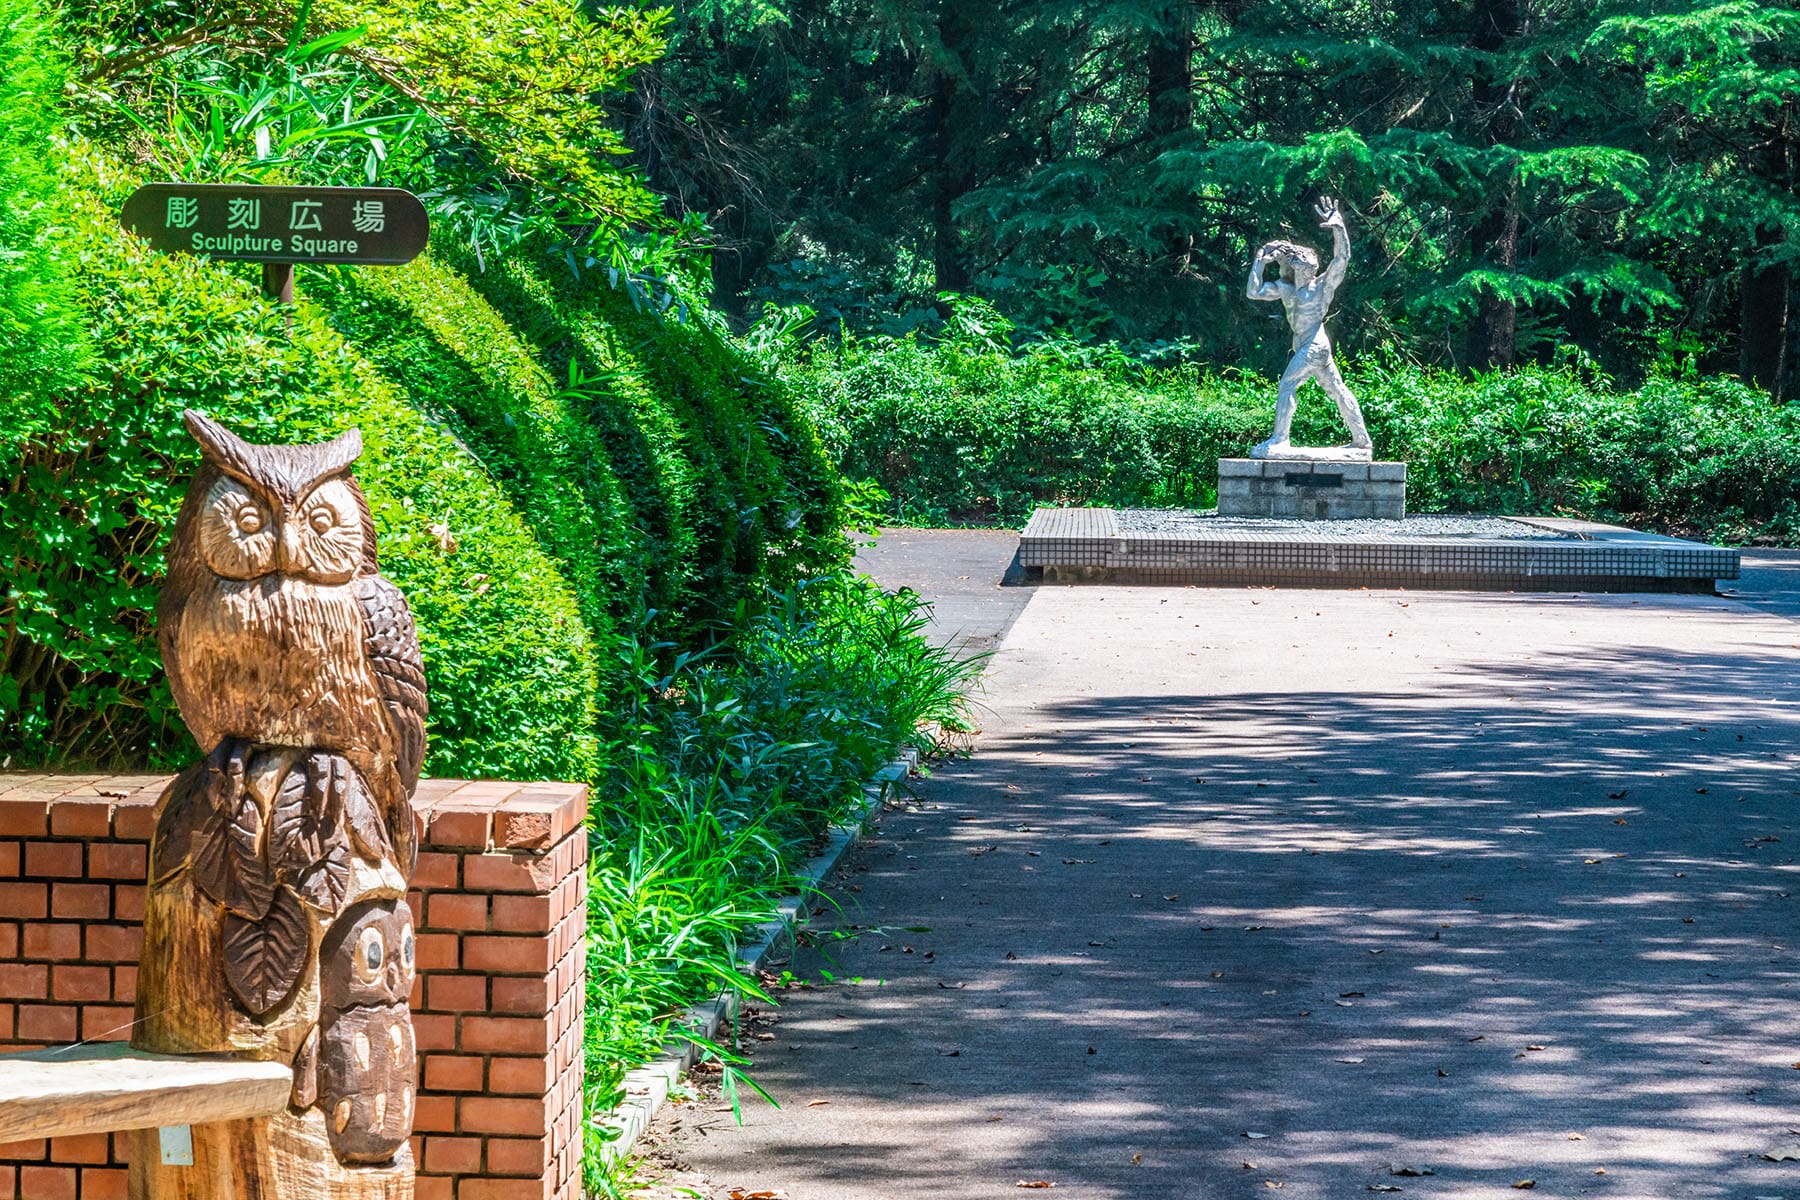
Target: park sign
x,y
371,226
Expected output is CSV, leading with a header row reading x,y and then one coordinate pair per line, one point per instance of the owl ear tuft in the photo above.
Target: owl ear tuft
x,y
232,451
287,470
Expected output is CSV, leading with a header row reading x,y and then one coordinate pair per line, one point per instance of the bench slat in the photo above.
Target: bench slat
x,y
70,1090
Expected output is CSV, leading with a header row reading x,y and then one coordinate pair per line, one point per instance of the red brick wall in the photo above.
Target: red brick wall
x,y
499,901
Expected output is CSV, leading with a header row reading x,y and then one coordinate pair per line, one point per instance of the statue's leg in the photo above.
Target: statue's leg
x,y
1332,380
1288,398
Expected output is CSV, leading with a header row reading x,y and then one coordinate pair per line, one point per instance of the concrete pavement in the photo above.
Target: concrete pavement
x,y
1270,892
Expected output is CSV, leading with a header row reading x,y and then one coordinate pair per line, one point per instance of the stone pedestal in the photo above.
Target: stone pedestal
x,y
1311,491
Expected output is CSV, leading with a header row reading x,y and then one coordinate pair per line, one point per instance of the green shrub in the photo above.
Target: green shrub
x,y
511,665
458,361
957,432
42,344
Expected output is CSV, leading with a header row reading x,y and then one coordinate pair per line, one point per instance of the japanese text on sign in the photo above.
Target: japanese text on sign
x,y
379,226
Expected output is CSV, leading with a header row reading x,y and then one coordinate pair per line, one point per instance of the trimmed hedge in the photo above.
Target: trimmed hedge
x,y
457,361
511,663
665,470
41,340
729,486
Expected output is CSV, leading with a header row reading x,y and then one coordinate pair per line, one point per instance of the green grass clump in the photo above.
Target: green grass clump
x,y
962,432
726,769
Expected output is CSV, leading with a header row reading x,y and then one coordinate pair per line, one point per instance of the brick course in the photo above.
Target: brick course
x,y
499,898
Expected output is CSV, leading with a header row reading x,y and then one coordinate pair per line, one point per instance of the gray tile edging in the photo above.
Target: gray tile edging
x,y
647,1087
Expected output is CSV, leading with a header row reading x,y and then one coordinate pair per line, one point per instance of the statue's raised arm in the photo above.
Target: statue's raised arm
x,y
1330,218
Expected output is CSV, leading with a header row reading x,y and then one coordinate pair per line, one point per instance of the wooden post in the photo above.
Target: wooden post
x,y
275,926
278,282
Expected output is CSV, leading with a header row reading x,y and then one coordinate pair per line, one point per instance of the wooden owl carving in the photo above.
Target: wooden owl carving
x,y
275,923
275,624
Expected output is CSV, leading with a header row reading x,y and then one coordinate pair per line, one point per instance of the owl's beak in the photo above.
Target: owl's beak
x,y
289,556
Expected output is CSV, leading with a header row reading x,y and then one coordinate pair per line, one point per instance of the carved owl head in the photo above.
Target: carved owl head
x,y
367,956
255,511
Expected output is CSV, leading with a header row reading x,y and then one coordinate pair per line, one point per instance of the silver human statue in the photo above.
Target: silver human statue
x,y
1306,295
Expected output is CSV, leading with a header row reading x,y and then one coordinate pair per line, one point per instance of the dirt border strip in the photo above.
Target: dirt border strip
x,y
647,1087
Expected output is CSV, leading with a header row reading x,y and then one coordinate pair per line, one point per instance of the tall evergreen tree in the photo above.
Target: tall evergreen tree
x,y
1521,174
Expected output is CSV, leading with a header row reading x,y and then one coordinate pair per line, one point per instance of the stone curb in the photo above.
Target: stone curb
x,y
647,1087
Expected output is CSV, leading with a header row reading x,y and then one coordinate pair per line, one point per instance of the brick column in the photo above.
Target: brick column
x,y
499,899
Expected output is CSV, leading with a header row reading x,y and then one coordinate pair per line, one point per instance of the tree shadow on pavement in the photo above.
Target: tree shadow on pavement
x,y
1537,930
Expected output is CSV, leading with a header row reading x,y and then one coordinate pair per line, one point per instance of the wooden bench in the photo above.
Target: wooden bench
x,y
69,1090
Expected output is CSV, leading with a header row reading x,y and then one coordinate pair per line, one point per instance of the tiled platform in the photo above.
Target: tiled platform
x,y
1073,545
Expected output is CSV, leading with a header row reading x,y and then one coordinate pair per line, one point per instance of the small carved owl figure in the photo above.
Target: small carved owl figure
x,y
275,624
368,1069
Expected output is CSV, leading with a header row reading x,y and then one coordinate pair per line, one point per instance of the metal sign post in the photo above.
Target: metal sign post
x,y
279,226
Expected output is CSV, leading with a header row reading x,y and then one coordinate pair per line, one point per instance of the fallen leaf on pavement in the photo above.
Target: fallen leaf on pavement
x,y
1249,1133
1525,1184
1789,1153
1352,1061
1384,1187
1414,1172
816,1103
1034,1183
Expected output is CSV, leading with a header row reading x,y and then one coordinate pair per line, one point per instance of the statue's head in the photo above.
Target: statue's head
x,y
1299,264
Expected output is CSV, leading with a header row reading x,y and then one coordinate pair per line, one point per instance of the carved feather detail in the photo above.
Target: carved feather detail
x,y
392,642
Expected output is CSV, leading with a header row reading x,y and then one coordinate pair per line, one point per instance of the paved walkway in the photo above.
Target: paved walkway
x,y
1271,892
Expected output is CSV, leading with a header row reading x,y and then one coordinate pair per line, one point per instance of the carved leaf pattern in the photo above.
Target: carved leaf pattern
x,y
295,839
364,822
264,958
327,881
229,866
187,820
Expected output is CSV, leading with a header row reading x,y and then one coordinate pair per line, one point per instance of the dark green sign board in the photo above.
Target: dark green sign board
x,y
371,226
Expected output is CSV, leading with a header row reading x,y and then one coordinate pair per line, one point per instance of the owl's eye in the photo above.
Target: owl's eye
x,y
406,948
249,519
323,519
372,952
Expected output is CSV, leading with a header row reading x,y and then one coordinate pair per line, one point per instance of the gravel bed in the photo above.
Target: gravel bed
x,y
1180,522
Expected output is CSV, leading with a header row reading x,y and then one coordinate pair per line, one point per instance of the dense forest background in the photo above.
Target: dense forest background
x,y
1617,176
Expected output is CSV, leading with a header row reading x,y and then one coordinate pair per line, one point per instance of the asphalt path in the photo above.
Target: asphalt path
x,y
1250,892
